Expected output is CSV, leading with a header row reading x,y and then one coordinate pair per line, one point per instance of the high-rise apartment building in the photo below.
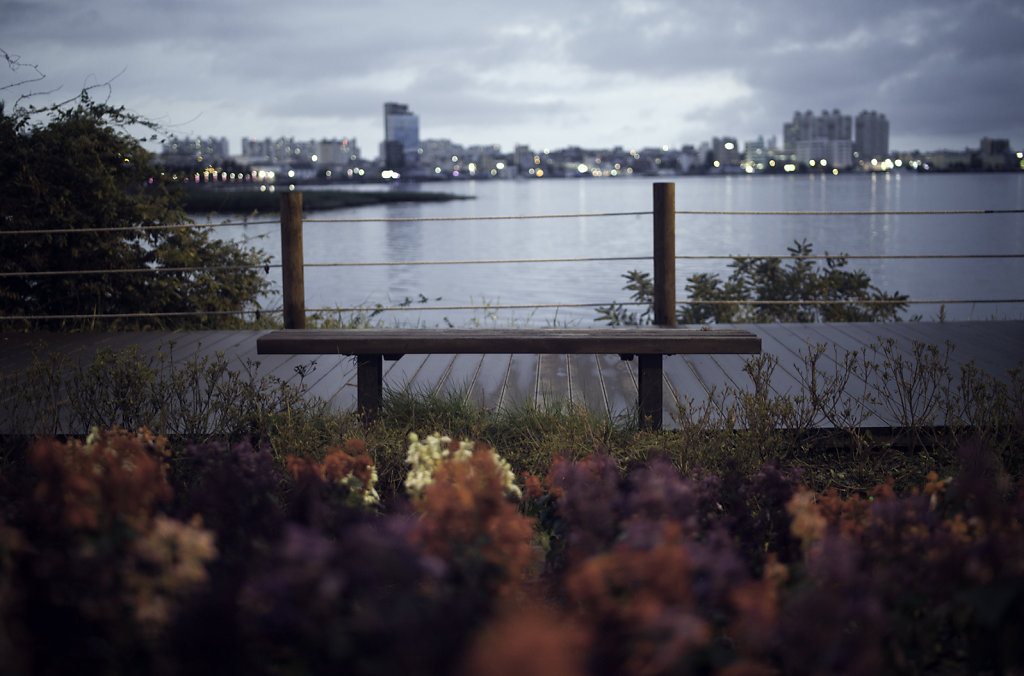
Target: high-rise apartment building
x,y
289,152
188,150
726,151
807,126
872,136
400,148
820,137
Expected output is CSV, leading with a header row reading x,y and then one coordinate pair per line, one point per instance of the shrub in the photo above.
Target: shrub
x,y
756,279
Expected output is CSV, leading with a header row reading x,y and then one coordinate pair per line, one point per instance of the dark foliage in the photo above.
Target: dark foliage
x,y
75,174
230,486
756,279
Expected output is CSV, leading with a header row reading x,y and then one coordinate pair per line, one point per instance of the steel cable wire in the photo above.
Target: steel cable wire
x,y
407,219
524,306
502,261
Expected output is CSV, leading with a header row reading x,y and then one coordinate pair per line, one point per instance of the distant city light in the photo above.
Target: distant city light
x,y
729,145
582,168
789,168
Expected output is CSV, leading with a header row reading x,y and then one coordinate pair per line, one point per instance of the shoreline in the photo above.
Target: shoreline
x,y
203,200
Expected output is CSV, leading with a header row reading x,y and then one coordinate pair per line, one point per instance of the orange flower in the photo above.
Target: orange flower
x,y
532,641
340,467
757,609
302,467
809,523
467,517
115,475
533,487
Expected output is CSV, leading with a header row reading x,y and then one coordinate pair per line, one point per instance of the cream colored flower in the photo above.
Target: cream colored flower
x,y
425,456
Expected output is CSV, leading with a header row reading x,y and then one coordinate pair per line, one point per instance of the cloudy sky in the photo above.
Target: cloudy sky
x,y
547,73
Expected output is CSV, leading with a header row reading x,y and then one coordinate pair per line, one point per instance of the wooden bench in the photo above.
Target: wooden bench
x,y
372,346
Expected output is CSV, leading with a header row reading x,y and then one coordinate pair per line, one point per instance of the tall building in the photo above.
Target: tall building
x,y
400,148
820,137
726,151
194,151
807,126
337,152
872,136
835,153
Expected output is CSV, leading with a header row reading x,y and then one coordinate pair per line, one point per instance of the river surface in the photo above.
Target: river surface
x,y
430,237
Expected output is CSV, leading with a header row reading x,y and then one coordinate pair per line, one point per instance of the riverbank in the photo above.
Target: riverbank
x,y
204,199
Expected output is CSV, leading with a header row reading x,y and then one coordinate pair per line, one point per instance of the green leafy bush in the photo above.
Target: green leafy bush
x,y
755,279
76,175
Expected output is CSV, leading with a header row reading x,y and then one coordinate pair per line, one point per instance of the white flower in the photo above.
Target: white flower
x,y
424,458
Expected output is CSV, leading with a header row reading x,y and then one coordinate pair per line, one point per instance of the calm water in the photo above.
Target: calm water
x,y
377,240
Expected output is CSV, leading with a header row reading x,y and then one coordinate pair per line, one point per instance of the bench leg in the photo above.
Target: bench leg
x,y
649,377
369,385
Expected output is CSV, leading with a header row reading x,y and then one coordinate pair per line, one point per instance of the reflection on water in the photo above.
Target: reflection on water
x,y
376,239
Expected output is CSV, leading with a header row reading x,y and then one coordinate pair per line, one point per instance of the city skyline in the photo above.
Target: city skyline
x,y
867,139
643,73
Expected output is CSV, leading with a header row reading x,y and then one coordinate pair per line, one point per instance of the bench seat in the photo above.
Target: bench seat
x,y
371,346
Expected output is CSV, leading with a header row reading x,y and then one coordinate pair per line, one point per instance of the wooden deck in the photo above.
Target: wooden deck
x,y
600,382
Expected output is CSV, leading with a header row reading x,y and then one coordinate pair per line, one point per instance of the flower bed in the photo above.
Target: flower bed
x,y
134,557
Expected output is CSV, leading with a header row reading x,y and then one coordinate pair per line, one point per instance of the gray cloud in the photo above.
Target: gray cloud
x,y
630,72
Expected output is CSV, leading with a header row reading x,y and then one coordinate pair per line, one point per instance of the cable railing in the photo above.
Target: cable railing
x,y
505,261
292,263
453,219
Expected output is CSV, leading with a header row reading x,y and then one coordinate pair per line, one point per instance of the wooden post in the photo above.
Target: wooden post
x,y
292,281
649,390
665,254
369,385
649,366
